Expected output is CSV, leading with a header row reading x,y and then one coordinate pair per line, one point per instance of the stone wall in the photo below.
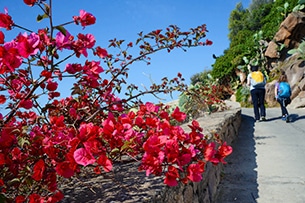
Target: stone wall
x,y
226,125
126,184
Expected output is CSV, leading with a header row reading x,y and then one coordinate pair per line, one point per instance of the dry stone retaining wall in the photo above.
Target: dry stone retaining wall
x,y
226,125
126,184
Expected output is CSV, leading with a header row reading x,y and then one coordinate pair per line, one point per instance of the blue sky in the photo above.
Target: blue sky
x,y
123,19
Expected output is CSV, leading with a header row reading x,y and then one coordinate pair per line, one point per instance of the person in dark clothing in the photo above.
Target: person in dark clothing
x,y
258,91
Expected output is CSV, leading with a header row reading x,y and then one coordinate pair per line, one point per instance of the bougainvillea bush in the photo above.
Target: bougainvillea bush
x,y
46,136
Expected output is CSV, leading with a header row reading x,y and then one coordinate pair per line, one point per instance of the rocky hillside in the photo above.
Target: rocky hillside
x,y
290,34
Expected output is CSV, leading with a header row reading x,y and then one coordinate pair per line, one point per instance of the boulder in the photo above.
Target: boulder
x,y
290,33
271,50
298,101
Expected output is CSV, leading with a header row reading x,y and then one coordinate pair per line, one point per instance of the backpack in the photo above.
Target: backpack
x,y
284,90
257,79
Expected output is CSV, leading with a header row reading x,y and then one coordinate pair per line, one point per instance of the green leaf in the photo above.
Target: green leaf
x,y
286,5
41,17
22,141
127,145
2,198
61,29
292,51
302,2
13,181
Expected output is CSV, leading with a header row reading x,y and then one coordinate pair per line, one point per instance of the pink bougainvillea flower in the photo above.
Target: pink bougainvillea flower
x,y
30,2
6,21
64,41
171,176
102,53
178,115
83,157
84,18
38,170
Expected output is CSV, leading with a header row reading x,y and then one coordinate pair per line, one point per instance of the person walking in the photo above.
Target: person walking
x,y
257,81
282,93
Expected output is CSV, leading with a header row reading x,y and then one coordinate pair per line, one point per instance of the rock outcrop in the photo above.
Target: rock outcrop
x,y
291,33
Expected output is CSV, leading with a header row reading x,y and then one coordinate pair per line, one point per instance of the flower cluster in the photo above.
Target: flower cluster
x,y
45,137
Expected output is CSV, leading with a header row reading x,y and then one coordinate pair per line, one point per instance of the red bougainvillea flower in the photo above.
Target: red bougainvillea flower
x,y
30,2
2,99
46,73
64,169
51,85
208,42
20,199
83,43
84,18
223,151
6,21
9,57
171,176
210,153
83,157
16,154
73,68
38,170
27,104
105,163
93,68
178,115
2,159
35,198
56,197
102,53
1,37
194,172
28,44
87,130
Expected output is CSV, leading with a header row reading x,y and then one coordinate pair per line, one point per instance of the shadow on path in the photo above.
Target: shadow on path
x,y
239,181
